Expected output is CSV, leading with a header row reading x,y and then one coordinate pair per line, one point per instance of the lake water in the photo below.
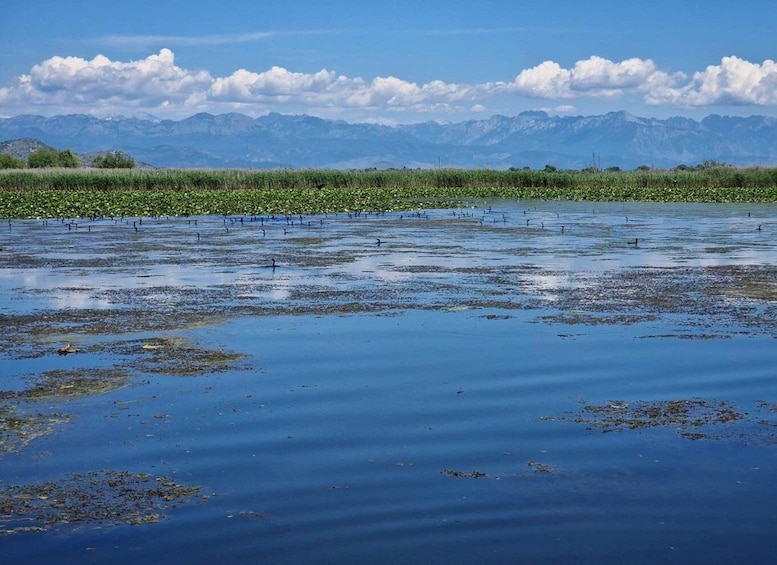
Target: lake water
x,y
511,382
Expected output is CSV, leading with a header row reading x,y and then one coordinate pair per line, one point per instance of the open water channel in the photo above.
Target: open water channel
x,y
510,382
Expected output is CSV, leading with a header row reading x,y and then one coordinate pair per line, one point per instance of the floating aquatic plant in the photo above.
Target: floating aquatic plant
x,y
98,498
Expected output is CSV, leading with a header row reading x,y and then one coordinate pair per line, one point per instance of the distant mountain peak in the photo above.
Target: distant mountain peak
x,y
533,138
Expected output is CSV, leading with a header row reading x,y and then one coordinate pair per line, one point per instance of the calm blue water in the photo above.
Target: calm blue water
x,y
333,440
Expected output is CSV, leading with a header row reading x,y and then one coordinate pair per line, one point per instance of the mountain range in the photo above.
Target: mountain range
x,y
530,139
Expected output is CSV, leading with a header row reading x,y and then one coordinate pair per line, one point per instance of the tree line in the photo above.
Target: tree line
x,y
46,157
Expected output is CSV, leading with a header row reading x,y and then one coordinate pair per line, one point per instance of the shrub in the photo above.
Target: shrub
x,y
10,162
43,157
68,160
114,160
47,157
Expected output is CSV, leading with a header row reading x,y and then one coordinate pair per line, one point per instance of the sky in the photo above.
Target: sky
x,y
389,61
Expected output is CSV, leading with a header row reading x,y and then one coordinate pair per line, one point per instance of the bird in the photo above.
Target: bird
x,y
67,349
635,243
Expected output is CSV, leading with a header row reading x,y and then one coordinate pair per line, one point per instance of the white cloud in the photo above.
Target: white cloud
x,y
594,76
156,84
546,80
202,40
326,88
74,82
245,86
733,82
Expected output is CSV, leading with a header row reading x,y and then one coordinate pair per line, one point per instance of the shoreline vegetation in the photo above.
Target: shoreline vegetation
x,y
71,193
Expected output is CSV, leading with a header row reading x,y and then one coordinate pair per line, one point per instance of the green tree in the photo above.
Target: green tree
x,y
10,162
550,168
710,164
68,159
47,157
43,157
114,160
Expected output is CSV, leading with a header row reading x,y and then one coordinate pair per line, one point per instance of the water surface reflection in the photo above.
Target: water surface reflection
x,y
506,382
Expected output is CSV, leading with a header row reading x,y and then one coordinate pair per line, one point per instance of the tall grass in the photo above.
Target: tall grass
x,y
193,179
61,192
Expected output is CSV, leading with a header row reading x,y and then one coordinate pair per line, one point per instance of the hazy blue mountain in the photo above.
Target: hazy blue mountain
x,y
533,139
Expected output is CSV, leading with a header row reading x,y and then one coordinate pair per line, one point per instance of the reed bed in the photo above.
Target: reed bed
x,y
87,193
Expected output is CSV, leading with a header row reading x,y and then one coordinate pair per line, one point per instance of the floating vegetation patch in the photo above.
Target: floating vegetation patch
x,y
96,498
592,319
692,418
753,283
20,423
542,468
17,429
686,336
496,316
731,299
464,474
768,416
177,356
74,383
62,384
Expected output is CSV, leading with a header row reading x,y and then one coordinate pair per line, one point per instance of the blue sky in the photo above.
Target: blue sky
x,y
397,61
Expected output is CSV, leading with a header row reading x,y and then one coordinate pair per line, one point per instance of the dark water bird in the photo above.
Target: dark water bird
x,y
379,242
759,227
272,265
635,243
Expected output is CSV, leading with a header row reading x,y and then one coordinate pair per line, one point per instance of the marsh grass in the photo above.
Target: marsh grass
x,y
148,192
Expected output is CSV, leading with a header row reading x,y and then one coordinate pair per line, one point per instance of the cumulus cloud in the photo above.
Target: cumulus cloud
x,y
733,82
594,76
157,84
72,81
326,88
